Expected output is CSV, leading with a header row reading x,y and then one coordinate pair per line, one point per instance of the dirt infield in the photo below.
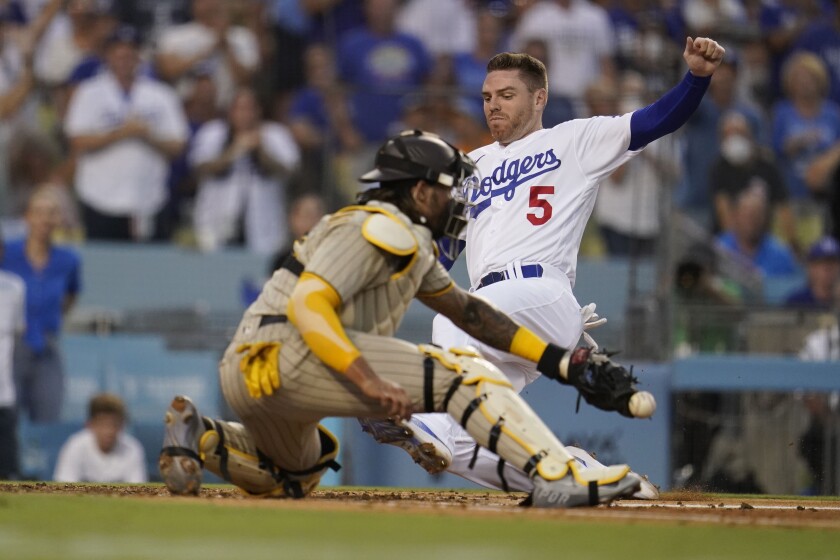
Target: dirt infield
x,y
674,507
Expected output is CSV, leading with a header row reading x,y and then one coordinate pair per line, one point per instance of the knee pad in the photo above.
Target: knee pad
x,y
229,452
484,402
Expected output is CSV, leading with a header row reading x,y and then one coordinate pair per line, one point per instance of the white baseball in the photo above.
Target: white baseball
x,y
642,405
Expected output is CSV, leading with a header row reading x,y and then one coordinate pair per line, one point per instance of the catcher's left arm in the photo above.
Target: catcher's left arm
x,y
600,381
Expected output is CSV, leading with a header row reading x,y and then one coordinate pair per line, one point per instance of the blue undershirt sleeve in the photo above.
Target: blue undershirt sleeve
x,y
668,113
443,245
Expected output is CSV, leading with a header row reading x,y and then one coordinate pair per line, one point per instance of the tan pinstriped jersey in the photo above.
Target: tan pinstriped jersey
x,y
375,286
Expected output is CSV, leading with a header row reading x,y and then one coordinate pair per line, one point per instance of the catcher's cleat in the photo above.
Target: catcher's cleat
x,y
589,487
415,438
180,464
646,491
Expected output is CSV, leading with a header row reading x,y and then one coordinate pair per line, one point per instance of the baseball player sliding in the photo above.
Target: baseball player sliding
x,y
537,191
319,342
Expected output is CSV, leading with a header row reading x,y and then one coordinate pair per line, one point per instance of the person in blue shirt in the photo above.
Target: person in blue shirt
x,y
806,123
701,150
749,240
823,277
822,37
382,65
51,275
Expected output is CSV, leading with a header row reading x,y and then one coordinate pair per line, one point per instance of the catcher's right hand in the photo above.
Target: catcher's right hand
x,y
606,384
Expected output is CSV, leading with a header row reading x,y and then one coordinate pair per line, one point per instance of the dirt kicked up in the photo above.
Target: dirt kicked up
x,y
674,507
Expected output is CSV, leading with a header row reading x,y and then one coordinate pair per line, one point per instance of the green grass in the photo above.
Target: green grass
x,y
87,527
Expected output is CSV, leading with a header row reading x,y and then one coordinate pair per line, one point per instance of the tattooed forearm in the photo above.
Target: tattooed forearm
x,y
475,317
486,323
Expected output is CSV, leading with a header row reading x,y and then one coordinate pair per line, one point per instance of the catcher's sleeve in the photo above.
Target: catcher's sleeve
x,y
312,309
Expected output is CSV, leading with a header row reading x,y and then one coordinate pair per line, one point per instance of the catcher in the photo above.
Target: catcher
x,y
318,342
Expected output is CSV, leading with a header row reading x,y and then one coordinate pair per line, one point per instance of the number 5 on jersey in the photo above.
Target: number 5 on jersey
x,y
542,207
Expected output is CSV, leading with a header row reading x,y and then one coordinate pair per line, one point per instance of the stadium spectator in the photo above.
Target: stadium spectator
x,y
12,325
51,275
122,122
558,108
749,240
806,123
18,108
693,196
151,19
446,27
292,23
331,20
470,68
243,164
627,207
72,35
822,345
822,37
782,23
199,108
102,451
319,119
34,160
382,65
744,164
823,277
580,42
304,212
702,17
209,44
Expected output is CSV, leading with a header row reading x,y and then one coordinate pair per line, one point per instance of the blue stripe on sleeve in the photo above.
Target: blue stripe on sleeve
x,y
668,113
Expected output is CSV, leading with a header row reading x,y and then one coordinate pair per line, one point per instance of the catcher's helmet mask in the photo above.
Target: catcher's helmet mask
x,y
416,154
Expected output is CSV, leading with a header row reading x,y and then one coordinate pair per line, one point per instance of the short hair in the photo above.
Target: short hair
x,y
106,403
531,70
810,62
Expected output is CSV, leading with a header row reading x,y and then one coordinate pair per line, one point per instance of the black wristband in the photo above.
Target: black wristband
x,y
549,364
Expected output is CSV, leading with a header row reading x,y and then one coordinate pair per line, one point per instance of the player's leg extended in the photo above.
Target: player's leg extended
x,y
435,441
485,404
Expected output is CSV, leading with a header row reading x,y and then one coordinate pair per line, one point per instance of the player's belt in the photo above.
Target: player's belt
x,y
273,320
295,267
528,271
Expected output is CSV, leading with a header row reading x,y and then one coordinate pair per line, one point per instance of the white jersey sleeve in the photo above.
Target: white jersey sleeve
x,y
600,145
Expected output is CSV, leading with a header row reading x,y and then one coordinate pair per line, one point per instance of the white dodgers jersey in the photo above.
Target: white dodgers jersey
x,y
536,194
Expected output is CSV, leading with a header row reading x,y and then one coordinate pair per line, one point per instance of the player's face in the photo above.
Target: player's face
x,y
512,112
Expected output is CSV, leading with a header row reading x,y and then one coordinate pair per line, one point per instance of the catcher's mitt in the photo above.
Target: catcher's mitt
x,y
606,384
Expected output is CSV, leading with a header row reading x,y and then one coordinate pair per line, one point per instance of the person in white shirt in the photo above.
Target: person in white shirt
x,y
102,451
12,325
124,129
209,44
580,44
243,164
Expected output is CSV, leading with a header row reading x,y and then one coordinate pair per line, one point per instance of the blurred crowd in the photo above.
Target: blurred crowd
x,y
201,121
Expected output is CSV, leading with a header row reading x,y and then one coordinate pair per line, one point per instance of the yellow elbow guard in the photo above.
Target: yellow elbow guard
x,y
526,344
312,309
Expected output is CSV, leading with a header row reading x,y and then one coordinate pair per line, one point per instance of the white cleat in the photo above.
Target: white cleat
x,y
415,438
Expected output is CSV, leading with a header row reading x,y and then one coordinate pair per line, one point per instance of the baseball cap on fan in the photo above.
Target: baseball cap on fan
x,y
826,248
